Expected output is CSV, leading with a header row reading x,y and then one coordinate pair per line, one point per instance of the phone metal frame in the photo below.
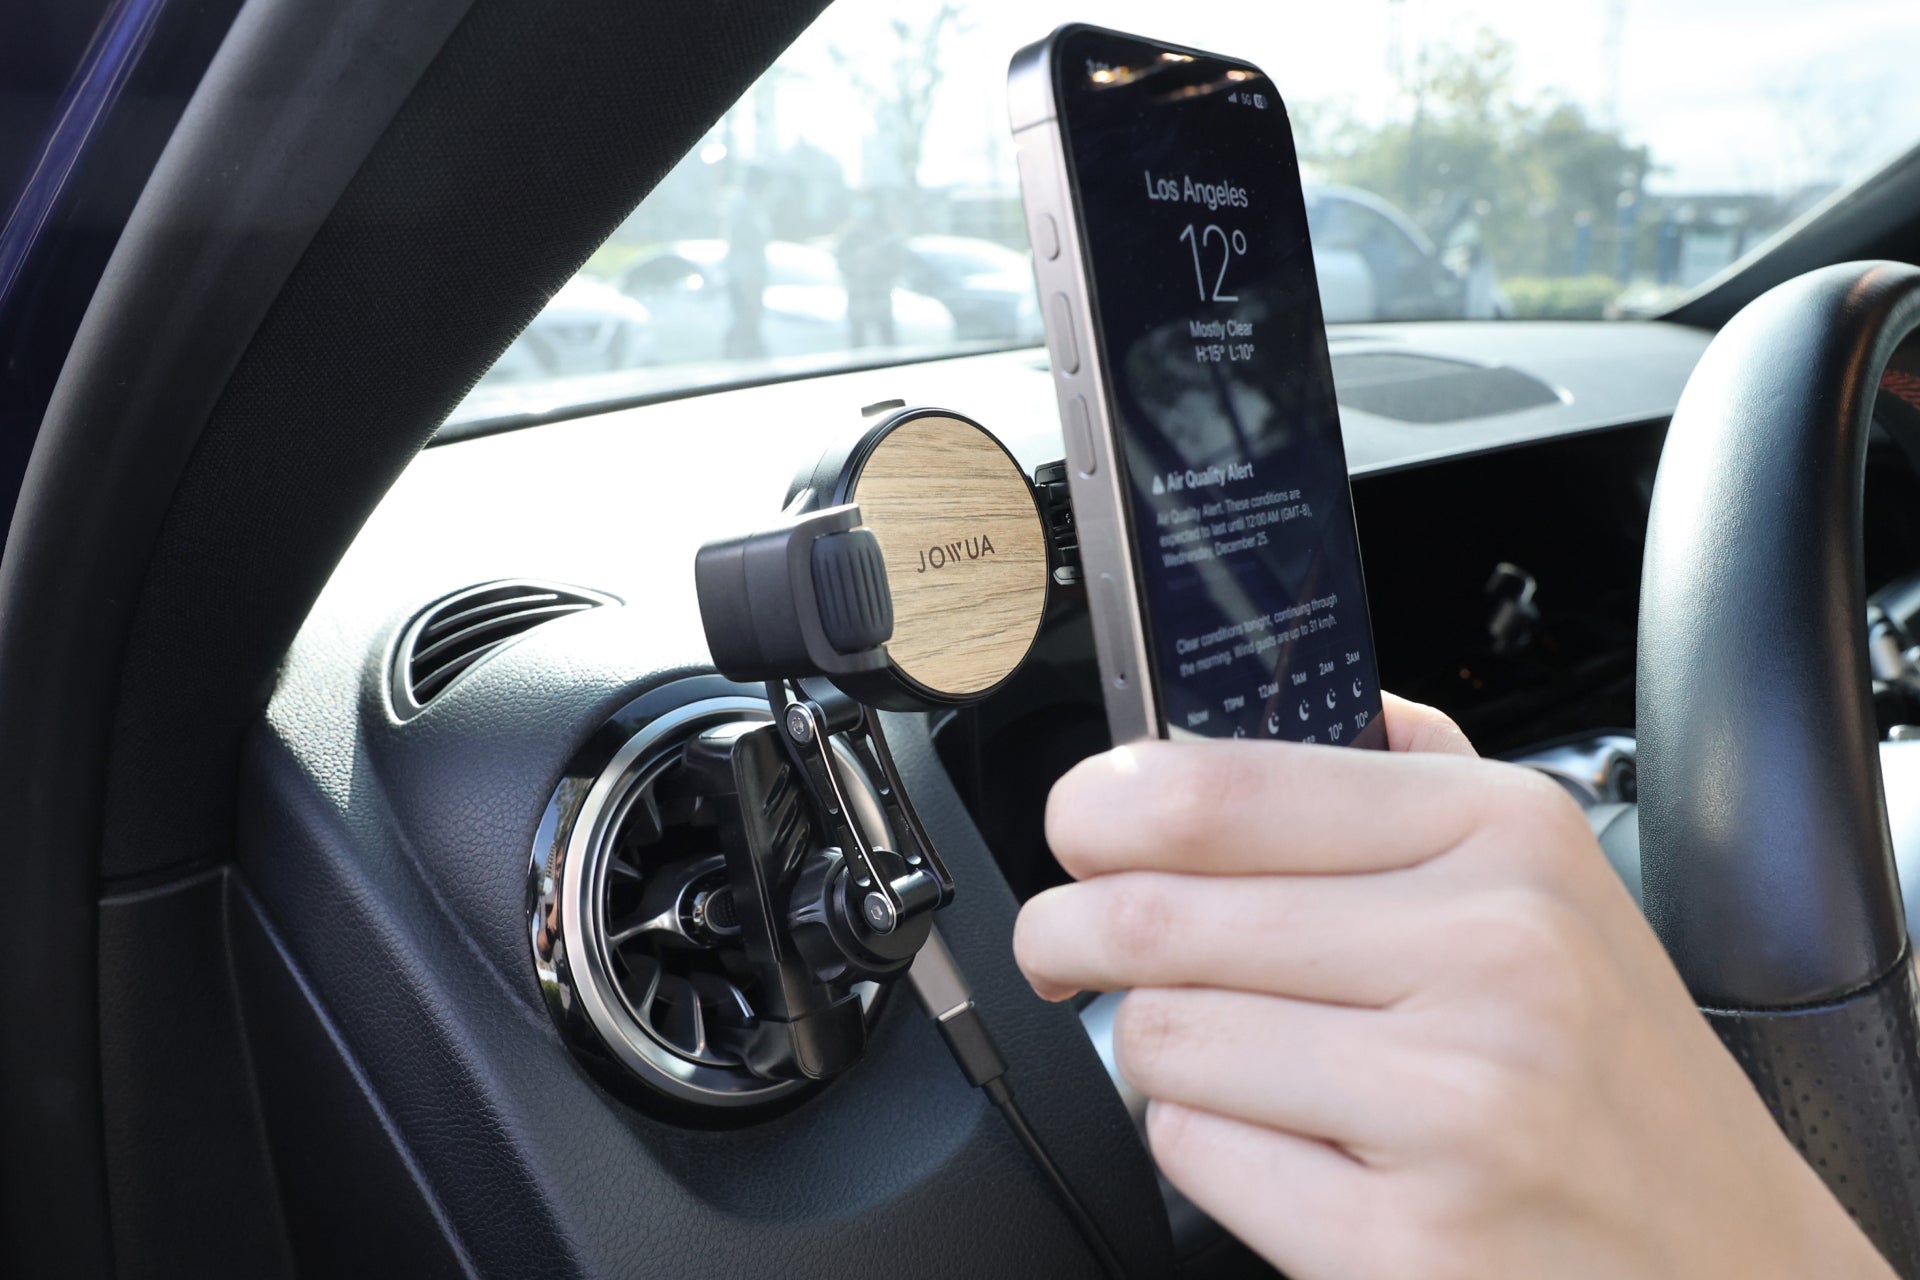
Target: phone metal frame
x,y
1096,475
1095,463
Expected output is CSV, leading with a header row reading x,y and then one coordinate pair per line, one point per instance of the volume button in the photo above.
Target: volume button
x,y
1060,344
1080,437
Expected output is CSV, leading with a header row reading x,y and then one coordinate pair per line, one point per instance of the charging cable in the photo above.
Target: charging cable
x,y
944,994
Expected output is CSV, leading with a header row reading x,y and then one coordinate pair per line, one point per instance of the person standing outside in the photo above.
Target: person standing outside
x,y
869,254
746,232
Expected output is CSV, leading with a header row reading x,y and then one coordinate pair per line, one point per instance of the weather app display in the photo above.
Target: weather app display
x,y
1223,395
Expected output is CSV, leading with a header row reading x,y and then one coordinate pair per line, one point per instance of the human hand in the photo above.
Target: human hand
x,y
1398,1017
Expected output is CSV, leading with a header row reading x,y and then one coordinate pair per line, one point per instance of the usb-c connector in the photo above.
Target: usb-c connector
x,y
944,994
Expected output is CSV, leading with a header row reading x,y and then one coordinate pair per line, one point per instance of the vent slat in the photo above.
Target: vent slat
x,y
457,633
481,608
425,688
506,624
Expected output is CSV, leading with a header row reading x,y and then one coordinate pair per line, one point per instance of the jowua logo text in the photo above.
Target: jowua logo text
x,y
945,554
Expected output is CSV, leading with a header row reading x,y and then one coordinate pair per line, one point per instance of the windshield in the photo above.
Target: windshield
x,y
1500,159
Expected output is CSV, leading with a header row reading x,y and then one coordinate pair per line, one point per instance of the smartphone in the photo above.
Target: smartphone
x,y
1204,458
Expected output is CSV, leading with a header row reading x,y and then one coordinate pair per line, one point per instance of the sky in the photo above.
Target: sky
x,y
1731,95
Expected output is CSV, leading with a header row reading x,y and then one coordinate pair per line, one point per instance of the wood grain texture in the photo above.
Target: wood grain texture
x,y
966,554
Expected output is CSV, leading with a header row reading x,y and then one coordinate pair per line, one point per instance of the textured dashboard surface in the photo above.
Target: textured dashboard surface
x,y
389,871
386,862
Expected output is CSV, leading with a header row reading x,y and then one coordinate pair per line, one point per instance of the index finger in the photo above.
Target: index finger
x,y
1235,807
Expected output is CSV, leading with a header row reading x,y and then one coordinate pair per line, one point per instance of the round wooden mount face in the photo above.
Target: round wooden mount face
x,y
966,554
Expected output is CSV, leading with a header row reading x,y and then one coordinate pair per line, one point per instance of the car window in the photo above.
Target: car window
x,y
1346,224
660,274
955,257
801,266
1467,160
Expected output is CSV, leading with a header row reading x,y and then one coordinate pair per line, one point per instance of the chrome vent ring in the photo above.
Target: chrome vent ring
x,y
635,940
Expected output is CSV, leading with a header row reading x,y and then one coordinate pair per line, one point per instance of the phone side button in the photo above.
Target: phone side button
x,y
1080,437
1066,356
1107,601
1046,236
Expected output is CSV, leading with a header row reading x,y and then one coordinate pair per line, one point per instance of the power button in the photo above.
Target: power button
x,y
1046,237
1060,345
1106,599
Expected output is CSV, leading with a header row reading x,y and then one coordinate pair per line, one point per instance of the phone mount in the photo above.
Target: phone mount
x,y
821,907
911,573
723,886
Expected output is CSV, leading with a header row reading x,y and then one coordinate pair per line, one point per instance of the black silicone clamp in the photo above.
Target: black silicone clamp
x,y
807,598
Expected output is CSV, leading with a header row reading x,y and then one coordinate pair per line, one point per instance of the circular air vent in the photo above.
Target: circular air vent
x,y
458,632
634,935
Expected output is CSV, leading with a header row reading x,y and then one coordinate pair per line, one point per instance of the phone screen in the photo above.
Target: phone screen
x,y
1221,392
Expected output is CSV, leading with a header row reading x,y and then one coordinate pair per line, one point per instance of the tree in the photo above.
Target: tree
x,y
901,98
1471,157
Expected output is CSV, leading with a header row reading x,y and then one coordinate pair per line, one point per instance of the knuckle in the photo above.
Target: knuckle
x,y
1546,1001
1182,795
1495,1130
1514,1156
1138,919
1550,815
1530,826
1148,1030
1514,935
1465,1095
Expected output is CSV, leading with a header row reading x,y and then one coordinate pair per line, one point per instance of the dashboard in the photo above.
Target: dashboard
x,y
1501,474
1501,480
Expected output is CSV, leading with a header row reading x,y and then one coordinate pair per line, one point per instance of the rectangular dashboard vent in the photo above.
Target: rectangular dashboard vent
x,y
457,633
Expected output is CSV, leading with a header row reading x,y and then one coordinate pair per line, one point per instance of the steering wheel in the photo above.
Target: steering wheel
x,y
1766,858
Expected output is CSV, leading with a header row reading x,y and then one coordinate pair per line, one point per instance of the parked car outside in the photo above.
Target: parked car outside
x,y
588,327
987,286
1374,263
804,303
